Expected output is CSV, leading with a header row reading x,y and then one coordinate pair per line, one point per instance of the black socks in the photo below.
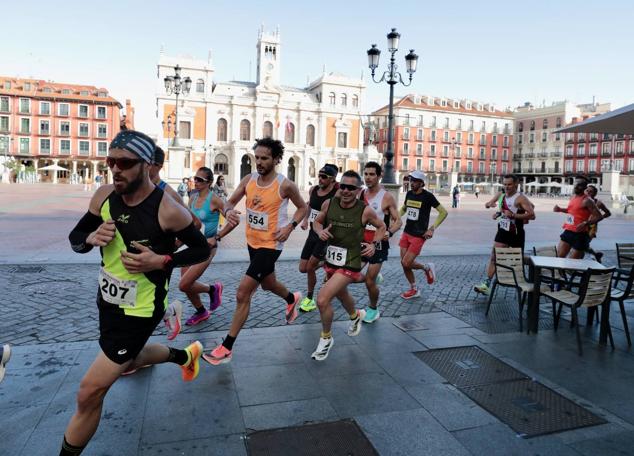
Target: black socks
x,y
70,450
177,356
228,342
290,299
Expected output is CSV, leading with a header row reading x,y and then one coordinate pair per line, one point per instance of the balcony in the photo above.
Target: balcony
x,y
592,154
482,142
605,153
543,155
529,155
64,133
555,154
405,137
45,132
45,151
25,131
4,129
570,141
579,154
431,154
470,141
619,153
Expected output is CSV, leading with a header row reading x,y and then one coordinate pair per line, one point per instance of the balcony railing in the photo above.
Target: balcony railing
x,y
45,151
64,133
605,153
543,154
529,155
555,154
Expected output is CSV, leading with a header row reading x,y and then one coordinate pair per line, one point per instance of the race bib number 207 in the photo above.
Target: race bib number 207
x,y
116,291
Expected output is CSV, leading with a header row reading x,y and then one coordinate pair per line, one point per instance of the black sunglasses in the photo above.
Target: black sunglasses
x,y
348,187
324,176
122,163
200,180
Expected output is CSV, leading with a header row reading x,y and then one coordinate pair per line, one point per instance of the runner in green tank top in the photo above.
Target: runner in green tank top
x,y
341,223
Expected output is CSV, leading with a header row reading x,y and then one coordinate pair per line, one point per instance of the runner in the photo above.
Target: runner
x,y
344,218
314,248
514,211
267,195
582,213
135,229
207,207
384,206
417,207
592,191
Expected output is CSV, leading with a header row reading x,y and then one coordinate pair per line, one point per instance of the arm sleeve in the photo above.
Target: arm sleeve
x,y
197,249
86,225
442,215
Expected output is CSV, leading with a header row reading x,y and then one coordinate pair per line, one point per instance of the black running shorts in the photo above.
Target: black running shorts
x,y
510,239
380,254
262,262
313,247
578,241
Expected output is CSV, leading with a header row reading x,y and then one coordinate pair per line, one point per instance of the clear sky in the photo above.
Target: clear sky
x,y
502,52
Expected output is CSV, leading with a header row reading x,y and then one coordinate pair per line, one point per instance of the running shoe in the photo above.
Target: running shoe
x,y
430,272
216,299
307,305
291,309
379,279
132,371
219,355
4,359
198,317
172,319
323,348
355,325
192,366
371,315
482,288
411,293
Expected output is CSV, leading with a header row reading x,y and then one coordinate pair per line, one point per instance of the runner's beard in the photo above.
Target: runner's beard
x,y
131,186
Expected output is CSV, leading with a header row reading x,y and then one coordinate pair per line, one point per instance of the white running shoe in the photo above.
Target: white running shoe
x,y
323,348
379,279
355,325
172,319
5,356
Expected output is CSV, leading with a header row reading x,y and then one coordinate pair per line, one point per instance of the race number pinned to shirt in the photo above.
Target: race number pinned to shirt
x,y
116,291
336,255
258,220
570,219
313,215
412,213
504,224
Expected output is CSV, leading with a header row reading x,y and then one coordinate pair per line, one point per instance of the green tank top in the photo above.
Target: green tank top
x,y
344,249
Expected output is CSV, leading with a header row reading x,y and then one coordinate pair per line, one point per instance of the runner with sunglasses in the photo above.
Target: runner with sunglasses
x,y
267,227
207,207
135,228
341,223
314,248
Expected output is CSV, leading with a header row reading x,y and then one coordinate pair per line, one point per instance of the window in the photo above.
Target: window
x,y
84,93
221,135
310,136
505,154
83,111
593,150
45,127
482,153
419,149
568,166
419,163
558,122
445,136
47,90
531,138
432,165
405,133
494,154
469,167
4,145
245,130
45,146
619,147
446,122
7,85
469,152
64,128
432,150
4,124
64,147
544,136
504,168
25,125
344,100
342,140
332,98
25,146
25,105
470,138
84,147
66,91
433,135
445,164
4,104
419,134
581,151
481,167
433,122
45,108
545,124
494,140
267,129
420,121
102,149
355,101
101,112
532,124
289,133
505,141
200,86
456,165
83,129
445,151
483,139
185,130
311,168
606,148
457,152
405,164
580,167
63,109
459,137
405,149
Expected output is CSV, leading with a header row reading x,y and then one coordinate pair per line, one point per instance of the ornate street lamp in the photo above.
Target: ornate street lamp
x,y
176,85
392,77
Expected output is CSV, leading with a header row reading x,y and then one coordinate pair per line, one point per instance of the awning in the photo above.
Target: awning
x,y
619,121
52,168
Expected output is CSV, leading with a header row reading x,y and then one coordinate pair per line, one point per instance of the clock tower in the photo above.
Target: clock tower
x,y
268,73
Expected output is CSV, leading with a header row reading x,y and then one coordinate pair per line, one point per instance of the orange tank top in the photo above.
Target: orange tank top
x,y
266,213
576,214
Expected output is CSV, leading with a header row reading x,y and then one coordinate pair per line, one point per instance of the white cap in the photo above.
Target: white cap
x,y
417,174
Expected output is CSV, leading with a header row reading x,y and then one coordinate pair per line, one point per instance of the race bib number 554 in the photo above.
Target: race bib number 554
x,y
116,291
258,220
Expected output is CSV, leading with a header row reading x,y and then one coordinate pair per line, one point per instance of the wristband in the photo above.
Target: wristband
x,y
167,260
218,238
389,233
294,223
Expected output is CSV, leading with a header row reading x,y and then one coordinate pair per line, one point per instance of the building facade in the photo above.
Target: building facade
x,y
54,124
443,136
218,122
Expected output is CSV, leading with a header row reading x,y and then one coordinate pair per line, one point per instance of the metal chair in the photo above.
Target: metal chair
x,y
624,257
623,294
594,290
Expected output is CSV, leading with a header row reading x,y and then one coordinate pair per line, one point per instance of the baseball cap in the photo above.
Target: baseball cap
x,y
417,174
329,169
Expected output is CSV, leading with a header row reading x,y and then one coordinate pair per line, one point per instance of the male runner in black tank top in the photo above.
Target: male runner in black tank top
x,y
314,248
135,227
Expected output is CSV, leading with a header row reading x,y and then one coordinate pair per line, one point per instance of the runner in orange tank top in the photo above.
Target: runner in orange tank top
x,y
267,227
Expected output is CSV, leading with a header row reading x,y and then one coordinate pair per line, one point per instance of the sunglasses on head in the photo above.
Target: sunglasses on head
x,y
122,163
200,180
348,187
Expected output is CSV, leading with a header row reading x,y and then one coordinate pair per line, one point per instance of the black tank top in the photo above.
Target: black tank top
x,y
315,202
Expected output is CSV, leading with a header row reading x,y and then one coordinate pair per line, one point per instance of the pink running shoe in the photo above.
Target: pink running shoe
x,y
219,355
172,319
291,309
217,296
411,293
430,272
198,317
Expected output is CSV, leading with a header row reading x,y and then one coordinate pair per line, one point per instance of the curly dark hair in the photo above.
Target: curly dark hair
x,y
275,146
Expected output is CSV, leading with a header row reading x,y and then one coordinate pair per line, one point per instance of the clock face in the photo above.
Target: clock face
x,y
269,67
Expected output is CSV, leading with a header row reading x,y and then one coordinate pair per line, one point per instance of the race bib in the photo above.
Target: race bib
x,y
504,224
116,291
258,220
313,215
412,213
570,219
336,255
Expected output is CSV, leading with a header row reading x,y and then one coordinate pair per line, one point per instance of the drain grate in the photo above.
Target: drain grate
x,y
322,439
26,269
530,408
468,366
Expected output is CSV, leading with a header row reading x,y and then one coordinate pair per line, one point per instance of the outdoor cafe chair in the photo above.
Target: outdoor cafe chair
x,y
594,290
624,257
623,294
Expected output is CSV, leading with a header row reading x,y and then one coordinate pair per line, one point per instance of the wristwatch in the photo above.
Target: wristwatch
x,y
294,223
218,238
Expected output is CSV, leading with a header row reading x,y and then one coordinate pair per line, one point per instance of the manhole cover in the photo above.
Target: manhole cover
x,y
26,269
468,366
321,439
50,287
530,408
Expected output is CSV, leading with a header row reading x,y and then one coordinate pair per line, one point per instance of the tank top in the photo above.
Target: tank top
x,y
508,203
344,249
208,218
315,202
576,214
266,213
376,203
142,294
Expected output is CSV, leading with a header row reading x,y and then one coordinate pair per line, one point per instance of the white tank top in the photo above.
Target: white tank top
x,y
510,202
376,203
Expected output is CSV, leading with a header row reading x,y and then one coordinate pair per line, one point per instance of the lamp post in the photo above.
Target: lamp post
x,y
392,77
176,85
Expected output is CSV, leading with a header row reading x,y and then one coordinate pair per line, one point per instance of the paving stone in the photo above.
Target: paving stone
x,y
286,414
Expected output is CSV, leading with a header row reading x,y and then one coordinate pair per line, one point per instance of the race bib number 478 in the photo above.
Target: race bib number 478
x,y
116,291
412,213
258,220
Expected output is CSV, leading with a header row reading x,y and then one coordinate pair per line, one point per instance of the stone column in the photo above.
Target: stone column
x,y
55,161
94,169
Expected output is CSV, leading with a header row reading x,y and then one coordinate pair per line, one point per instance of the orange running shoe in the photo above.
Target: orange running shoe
x,y
219,355
191,368
291,309
411,293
